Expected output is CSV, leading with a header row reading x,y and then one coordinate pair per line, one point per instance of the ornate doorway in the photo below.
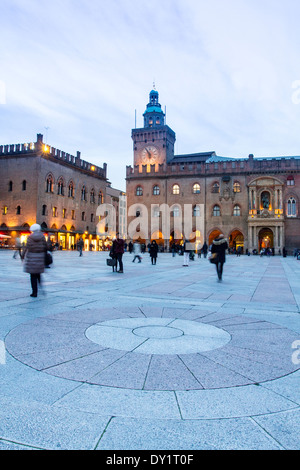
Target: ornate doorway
x,y
265,239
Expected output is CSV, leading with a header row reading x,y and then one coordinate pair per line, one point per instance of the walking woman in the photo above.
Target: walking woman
x,y
34,257
219,246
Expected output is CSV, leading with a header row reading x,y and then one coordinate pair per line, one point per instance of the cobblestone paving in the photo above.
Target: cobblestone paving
x,y
160,357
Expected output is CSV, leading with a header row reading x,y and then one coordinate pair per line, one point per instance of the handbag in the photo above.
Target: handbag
x,y
214,258
111,262
48,259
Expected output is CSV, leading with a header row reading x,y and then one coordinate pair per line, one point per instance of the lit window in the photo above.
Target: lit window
x,y
236,187
156,190
236,210
4,210
175,189
216,211
64,213
72,214
291,207
54,211
196,188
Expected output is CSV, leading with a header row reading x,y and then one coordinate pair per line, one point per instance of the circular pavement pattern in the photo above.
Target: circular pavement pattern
x,y
158,335
154,353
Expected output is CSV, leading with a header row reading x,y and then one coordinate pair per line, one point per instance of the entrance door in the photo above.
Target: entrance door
x,y
265,239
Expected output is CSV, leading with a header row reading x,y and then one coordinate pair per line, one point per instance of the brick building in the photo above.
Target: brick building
x,y
253,201
59,191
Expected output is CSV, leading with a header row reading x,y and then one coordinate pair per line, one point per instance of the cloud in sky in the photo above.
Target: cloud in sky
x,y
224,70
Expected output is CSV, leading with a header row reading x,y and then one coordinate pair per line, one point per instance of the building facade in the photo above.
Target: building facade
x,y
254,202
61,192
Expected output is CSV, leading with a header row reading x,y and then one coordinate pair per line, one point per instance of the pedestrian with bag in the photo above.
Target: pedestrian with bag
x,y
218,249
34,257
119,251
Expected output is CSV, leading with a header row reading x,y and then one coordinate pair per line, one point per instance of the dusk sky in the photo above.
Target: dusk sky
x,y
228,72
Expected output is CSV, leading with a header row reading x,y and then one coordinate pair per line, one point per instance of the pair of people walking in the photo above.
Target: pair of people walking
x,y
116,253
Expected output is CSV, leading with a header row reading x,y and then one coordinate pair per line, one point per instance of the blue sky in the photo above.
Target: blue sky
x,y
228,72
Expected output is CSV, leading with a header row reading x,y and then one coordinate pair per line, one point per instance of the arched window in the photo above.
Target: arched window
x,y
49,184
60,187
24,184
215,188
290,181
18,211
100,198
196,211
156,190
291,207
176,211
44,210
83,193
10,186
196,188
139,191
236,187
71,189
82,216
216,211
236,210
176,189
92,196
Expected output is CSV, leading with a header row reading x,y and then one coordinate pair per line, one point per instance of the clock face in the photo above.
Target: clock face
x,y
149,154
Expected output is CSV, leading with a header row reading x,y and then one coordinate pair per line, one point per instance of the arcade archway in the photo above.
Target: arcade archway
x,y
214,234
265,239
236,240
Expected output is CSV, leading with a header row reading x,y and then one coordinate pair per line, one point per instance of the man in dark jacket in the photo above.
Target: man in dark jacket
x,y
119,250
219,246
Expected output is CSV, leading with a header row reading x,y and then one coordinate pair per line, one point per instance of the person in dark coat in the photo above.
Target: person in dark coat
x,y
119,251
204,249
153,251
113,254
34,257
219,246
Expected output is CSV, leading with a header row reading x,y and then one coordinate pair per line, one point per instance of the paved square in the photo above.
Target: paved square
x,y
160,357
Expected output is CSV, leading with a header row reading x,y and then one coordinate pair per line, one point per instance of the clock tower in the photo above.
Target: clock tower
x,y
154,143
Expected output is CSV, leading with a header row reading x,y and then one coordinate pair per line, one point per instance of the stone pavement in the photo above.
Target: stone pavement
x,y
161,357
